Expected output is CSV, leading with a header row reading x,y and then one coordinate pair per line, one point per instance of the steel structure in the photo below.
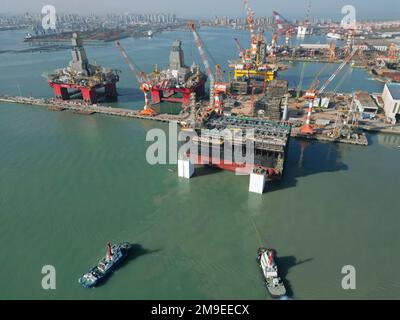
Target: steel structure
x,y
145,84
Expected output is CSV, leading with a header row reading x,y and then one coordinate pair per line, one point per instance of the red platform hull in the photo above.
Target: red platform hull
x,y
89,94
160,94
239,168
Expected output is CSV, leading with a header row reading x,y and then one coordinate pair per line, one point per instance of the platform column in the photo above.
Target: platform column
x,y
185,168
186,98
60,92
257,183
111,91
89,95
156,96
200,90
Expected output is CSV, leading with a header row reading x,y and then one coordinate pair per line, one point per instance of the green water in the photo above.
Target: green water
x,y
70,183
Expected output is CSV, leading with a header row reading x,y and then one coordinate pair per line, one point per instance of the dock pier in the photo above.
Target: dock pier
x,y
87,109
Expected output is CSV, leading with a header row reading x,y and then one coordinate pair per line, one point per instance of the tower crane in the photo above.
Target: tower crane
x,y
218,88
250,22
308,15
142,79
313,93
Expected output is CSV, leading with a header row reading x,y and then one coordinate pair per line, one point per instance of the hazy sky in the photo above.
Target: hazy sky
x,y
366,9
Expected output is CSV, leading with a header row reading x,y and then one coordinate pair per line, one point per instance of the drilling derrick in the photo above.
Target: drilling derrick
x,y
252,64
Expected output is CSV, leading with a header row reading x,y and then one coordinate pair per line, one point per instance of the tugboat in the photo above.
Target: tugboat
x,y
274,283
115,255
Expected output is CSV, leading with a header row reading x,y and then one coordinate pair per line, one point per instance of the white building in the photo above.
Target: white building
x,y
391,100
365,105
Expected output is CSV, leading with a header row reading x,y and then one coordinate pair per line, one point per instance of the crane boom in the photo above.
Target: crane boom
x,y
137,73
239,45
340,68
250,21
300,86
307,21
312,94
144,82
200,47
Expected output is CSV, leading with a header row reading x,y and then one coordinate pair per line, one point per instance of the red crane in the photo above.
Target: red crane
x,y
217,86
144,82
313,93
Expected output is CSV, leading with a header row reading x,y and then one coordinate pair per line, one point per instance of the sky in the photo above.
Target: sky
x,y
366,9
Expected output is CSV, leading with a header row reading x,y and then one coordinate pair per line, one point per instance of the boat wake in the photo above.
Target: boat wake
x,y
284,298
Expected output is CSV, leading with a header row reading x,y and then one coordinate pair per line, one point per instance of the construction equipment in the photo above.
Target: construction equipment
x,y
252,63
142,79
281,24
273,44
239,47
287,39
300,86
332,52
312,94
393,53
346,123
218,88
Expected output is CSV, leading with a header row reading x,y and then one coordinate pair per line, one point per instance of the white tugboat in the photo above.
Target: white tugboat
x,y
267,263
115,255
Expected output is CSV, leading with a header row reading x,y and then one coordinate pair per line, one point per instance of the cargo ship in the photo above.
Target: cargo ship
x,y
81,77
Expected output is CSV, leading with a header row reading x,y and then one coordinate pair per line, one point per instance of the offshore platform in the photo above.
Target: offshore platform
x,y
268,141
175,84
253,69
82,77
178,79
225,141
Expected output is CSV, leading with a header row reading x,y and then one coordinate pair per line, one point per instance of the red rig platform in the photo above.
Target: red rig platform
x,y
82,77
177,83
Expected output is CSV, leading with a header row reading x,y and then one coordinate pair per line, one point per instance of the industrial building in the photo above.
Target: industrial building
x,y
365,105
391,100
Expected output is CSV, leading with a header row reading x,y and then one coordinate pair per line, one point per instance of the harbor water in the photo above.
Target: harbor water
x,y
71,183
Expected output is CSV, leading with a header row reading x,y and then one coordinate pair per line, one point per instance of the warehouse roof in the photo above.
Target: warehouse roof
x,y
394,89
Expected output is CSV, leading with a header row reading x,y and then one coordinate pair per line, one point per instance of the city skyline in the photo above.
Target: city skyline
x,y
292,9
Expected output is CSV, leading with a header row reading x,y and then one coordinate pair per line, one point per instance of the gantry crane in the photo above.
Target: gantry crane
x,y
312,94
218,88
144,82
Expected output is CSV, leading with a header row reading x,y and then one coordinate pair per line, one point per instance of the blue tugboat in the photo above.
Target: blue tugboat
x,y
115,255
